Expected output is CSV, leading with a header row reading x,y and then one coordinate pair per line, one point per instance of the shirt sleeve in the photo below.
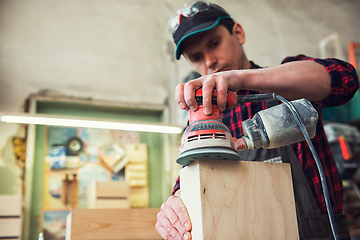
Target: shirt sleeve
x,y
176,186
344,80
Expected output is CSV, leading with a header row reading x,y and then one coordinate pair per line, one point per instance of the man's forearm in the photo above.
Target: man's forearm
x,y
293,80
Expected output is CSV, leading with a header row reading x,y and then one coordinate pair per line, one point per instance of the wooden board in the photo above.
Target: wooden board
x,y
136,174
10,216
10,227
112,189
10,205
112,203
111,194
112,224
239,200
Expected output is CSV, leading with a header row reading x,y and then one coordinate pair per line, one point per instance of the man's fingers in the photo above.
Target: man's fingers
x,y
180,210
161,230
173,220
166,229
221,92
208,83
189,93
175,213
207,90
179,96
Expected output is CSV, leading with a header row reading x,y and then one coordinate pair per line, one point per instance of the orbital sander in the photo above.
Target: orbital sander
x,y
207,137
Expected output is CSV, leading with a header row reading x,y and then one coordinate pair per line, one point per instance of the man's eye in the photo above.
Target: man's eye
x,y
195,59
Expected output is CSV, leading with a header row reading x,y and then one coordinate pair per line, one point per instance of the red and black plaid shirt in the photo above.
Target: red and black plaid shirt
x,y
344,84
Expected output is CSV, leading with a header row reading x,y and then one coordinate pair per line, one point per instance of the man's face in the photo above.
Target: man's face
x,y
215,51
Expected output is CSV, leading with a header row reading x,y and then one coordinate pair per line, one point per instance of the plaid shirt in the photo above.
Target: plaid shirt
x,y
344,84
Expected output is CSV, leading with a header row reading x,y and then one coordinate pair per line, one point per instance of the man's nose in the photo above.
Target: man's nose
x,y
210,61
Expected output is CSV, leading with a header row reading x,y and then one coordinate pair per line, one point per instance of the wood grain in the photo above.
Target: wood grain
x,y
239,200
113,224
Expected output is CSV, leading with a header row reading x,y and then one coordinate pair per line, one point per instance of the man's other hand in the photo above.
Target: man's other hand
x,y
173,221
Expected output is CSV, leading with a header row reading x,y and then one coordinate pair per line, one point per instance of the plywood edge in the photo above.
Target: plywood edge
x,y
190,180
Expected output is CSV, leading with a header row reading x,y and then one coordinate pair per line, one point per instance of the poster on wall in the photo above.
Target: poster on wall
x,y
102,158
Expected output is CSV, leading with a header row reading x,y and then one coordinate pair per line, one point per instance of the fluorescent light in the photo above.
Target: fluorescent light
x,y
42,119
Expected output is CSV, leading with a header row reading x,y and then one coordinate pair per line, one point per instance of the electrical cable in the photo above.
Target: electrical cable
x,y
317,161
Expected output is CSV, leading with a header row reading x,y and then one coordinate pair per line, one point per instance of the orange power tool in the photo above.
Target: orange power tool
x,y
207,137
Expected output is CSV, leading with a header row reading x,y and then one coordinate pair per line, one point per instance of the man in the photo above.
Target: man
x,y
212,42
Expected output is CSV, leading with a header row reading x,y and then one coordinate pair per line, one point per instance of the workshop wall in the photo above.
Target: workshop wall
x,y
120,50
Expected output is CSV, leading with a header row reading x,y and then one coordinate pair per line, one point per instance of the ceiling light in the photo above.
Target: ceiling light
x,y
51,120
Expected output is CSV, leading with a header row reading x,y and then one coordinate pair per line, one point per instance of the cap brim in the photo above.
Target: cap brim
x,y
196,30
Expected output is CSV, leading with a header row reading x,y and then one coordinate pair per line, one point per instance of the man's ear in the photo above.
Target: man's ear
x,y
239,33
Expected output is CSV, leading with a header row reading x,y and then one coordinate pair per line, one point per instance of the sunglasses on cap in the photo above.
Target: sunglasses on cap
x,y
189,9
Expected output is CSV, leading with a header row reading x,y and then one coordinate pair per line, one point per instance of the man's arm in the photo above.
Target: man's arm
x,y
292,80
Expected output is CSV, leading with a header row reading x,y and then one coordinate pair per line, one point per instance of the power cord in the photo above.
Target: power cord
x,y
317,161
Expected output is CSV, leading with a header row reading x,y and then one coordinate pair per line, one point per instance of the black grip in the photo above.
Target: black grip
x,y
199,100
244,98
256,98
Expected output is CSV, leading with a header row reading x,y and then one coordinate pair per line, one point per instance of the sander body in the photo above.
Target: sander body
x,y
207,137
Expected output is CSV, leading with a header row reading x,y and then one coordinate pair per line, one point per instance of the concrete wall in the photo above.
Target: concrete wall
x,y
120,50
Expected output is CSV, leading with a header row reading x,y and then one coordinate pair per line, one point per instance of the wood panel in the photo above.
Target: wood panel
x,y
10,216
10,227
112,194
112,224
112,189
112,203
136,174
239,200
10,205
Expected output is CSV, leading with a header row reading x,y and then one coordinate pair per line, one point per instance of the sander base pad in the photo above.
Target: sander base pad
x,y
190,156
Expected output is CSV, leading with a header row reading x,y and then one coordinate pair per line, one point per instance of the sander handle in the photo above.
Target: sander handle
x,y
267,97
233,100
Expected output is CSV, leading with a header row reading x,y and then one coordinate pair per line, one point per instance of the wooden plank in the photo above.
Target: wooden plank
x,y
112,189
10,227
136,175
112,203
112,194
239,200
10,205
113,224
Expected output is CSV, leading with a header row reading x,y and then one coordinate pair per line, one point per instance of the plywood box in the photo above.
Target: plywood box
x,y
239,200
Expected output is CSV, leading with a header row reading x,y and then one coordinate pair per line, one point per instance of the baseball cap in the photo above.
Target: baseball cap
x,y
193,18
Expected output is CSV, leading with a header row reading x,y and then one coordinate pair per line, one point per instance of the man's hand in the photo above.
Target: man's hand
x,y
222,82
173,221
